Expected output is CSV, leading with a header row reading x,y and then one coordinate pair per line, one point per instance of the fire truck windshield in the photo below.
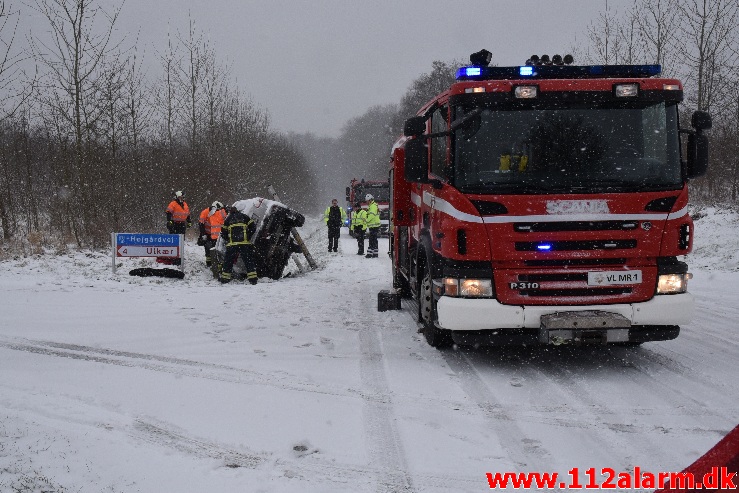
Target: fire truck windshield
x,y
577,148
380,191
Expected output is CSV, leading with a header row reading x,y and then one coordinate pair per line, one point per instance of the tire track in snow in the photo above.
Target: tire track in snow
x,y
177,440
519,447
164,364
680,397
385,447
195,369
608,425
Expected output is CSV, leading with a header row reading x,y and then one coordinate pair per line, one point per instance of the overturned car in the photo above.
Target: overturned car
x,y
273,242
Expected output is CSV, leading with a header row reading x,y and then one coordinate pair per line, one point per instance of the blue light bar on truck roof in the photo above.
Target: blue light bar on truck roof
x,y
558,72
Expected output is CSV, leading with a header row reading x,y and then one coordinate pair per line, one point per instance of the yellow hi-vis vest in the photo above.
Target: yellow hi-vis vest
x,y
373,215
359,218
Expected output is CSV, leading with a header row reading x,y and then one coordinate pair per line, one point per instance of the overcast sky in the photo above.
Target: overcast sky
x,y
314,64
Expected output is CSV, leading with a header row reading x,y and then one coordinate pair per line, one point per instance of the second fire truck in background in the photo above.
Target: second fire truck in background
x,y
380,190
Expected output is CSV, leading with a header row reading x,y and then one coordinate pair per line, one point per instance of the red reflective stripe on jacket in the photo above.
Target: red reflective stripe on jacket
x,y
179,212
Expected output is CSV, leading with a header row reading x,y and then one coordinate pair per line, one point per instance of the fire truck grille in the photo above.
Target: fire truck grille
x,y
575,292
548,227
575,262
559,246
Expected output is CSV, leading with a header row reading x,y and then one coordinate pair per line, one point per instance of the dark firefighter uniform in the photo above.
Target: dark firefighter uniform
x,y
334,217
237,231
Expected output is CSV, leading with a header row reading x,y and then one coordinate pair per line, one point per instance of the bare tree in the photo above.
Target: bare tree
x,y
605,38
615,38
80,40
193,74
710,31
166,93
12,97
658,27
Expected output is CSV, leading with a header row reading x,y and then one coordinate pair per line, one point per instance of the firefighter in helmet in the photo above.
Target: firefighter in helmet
x,y
373,225
178,215
210,221
238,231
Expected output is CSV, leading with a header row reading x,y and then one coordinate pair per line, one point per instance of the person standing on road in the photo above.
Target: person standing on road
x,y
238,231
178,215
373,225
211,219
359,224
334,216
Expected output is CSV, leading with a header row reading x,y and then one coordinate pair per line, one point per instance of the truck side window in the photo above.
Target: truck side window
x,y
439,144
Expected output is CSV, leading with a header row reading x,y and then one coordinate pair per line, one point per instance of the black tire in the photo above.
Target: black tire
x,y
435,337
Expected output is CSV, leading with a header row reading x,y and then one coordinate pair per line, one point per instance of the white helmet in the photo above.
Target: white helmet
x,y
368,197
178,194
217,205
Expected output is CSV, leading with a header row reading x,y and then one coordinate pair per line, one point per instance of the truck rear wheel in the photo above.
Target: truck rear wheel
x,y
436,337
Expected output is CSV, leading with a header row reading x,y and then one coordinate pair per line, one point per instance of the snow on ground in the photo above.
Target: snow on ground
x,y
123,384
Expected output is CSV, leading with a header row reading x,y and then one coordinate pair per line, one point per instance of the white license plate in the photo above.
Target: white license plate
x,y
614,277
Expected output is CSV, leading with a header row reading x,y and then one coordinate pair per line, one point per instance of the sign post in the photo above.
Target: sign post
x,y
148,245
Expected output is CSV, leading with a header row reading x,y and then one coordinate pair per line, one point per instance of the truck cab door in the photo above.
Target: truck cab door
x,y
439,154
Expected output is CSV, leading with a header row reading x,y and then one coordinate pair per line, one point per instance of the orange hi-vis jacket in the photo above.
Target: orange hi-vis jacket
x,y
180,212
212,222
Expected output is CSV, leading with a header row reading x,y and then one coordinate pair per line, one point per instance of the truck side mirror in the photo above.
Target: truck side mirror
x,y
414,126
701,120
416,161
698,145
697,155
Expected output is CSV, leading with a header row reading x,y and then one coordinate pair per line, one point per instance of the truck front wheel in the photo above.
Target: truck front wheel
x,y
436,337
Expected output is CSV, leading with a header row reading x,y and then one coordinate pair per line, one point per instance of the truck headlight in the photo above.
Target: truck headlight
x,y
673,283
468,288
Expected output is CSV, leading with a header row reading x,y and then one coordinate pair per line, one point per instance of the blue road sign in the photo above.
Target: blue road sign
x,y
154,240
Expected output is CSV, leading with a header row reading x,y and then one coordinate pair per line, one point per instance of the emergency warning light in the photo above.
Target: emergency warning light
x,y
558,72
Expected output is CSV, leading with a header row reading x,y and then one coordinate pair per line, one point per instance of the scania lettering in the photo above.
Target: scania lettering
x,y
547,203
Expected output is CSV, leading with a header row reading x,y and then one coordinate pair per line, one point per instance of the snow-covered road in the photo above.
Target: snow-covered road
x,y
122,384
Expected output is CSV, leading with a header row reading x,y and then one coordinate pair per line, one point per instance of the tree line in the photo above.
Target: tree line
x,y
90,143
696,41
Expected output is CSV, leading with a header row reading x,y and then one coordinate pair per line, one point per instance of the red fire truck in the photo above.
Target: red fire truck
x,y
380,190
547,203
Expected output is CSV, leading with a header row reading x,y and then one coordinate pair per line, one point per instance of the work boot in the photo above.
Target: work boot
x,y
253,282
